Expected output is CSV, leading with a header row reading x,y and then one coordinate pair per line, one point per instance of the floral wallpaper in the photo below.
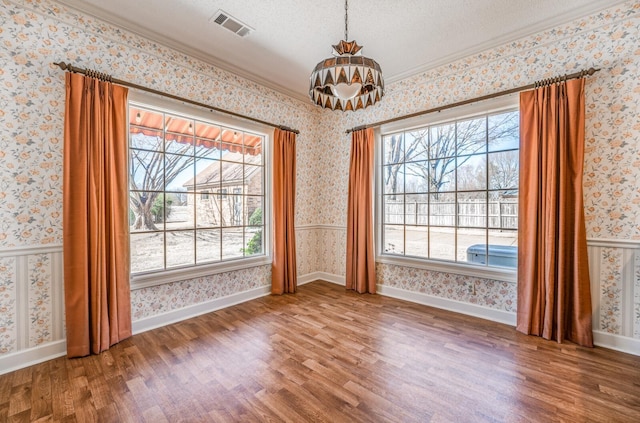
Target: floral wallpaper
x,y
160,299
636,302
34,33
8,329
483,292
40,330
610,290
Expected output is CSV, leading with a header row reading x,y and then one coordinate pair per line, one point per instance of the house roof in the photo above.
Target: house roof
x,y
231,170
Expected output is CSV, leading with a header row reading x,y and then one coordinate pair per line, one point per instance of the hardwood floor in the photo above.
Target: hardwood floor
x,y
325,354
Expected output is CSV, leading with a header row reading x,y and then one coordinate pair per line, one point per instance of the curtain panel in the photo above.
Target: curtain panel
x,y
361,266
95,216
554,298
283,271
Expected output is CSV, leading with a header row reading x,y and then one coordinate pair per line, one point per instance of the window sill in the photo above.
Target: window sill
x,y
146,280
485,272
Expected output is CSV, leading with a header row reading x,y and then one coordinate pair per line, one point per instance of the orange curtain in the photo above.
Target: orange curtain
x,y
95,216
361,266
283,272
554,298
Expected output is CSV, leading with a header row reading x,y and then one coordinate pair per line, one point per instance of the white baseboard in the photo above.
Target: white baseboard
x,y
616,342
188,312
323,276
30,356
500,316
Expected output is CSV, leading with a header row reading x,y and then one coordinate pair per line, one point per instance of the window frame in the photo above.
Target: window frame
x,y
159,277
500,104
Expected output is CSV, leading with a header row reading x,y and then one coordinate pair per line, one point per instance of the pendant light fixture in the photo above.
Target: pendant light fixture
x,y
348,81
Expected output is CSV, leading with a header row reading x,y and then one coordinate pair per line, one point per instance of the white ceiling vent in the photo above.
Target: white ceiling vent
x,y
224,19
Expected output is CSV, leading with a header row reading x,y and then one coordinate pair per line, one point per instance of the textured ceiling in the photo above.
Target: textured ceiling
x,y
291,36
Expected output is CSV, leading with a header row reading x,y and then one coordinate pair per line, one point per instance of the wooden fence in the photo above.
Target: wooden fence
x,y
502,214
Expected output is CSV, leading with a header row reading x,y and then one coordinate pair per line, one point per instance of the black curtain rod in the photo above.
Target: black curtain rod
x,y
537,84
105,77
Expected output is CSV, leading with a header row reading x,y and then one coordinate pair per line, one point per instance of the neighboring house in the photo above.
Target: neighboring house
x,y
221,203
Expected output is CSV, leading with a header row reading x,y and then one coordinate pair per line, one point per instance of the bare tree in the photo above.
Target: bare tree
x,y
450,146
503,171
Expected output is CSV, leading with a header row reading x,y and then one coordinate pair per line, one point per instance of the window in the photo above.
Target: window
x,y
180,215
449,191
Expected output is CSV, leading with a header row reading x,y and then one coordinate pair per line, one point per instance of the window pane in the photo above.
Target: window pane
x,y
252,149
209,149
393,179
504,131
207,176
472,209
146,170
232,243
179,136
503,248
146,211
443,141
146,139
207,210
443,174
253,240
393,242
179,172
393,148
231,144
503,211
394,209
178,210
442,243
253,179
180,248
417,240
417,209
207,245
442,208
207,140
417,177
503,170
253,211
472,172
416,145
147,252
471,137
469,242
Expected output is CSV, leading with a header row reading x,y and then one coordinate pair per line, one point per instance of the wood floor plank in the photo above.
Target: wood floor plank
x,y
330,355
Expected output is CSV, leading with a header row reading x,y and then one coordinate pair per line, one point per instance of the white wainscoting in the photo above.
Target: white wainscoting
x,y
34,321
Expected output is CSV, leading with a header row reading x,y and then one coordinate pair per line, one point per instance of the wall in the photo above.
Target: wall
x,y
36,33
608,40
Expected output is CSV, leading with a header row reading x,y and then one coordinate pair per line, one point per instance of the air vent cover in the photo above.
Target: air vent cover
x,y
234,25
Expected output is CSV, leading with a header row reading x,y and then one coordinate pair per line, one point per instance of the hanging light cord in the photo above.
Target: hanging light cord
x,y
346,20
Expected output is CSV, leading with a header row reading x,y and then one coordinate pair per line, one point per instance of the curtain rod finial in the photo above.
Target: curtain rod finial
x,y
591,71
62,65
